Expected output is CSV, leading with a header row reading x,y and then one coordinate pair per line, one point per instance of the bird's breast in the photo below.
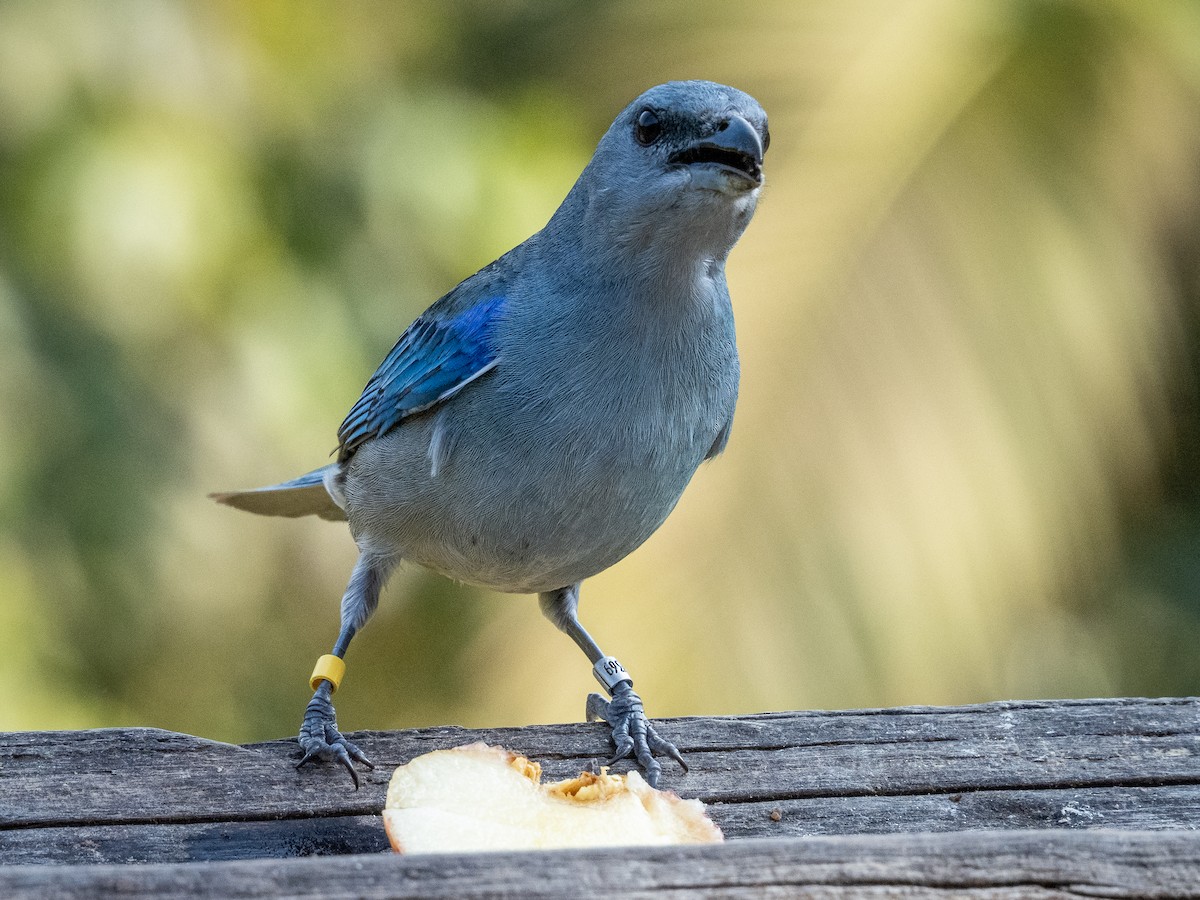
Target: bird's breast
x,y
560,462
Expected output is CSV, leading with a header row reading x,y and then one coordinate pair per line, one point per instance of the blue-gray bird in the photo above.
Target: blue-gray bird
x,y
541,420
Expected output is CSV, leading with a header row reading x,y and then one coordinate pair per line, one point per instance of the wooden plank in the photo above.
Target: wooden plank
x,y
1163,808
192,842
1142,809
146,776
1022,864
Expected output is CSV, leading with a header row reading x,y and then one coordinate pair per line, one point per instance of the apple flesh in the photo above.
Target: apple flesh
x,y
478,797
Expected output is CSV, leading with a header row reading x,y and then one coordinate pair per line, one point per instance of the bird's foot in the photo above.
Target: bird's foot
x,y
632,733
320,738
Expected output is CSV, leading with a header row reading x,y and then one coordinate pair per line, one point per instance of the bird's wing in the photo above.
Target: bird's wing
x,y
440,353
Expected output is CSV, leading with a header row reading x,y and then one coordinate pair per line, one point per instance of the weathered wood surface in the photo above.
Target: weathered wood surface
x,y
72,804
982,864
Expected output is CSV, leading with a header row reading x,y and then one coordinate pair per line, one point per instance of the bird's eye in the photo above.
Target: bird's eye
x,y
648,128
766,137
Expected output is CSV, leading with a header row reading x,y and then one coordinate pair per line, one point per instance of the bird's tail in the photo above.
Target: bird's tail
x,y
303,496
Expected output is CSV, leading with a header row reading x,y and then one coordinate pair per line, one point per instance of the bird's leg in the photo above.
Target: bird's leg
x,y
632,733
319,735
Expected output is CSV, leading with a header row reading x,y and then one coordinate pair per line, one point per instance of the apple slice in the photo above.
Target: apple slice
x,y
478,797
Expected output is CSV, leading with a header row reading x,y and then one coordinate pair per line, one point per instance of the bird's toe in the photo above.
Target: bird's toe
x,y
632,733
320,739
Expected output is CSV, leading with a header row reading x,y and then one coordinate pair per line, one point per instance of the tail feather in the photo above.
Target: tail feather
x,y
303,496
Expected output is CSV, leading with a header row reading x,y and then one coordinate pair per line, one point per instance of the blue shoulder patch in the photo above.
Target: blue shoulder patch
x,y
434,359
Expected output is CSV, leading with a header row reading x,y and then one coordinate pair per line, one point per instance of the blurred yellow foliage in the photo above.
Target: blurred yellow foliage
x,y
966,463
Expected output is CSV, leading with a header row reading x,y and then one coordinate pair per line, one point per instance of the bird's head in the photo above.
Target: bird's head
x,y
679,171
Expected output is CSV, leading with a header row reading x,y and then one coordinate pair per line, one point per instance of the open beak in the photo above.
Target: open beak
x,y
735,148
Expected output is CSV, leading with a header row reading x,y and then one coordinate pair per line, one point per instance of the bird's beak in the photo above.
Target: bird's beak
x,y
735,148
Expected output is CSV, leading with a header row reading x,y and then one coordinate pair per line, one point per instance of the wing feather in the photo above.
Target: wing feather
x,y
437,356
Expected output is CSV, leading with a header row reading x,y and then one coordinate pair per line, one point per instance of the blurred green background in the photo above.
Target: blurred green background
x,y
966,463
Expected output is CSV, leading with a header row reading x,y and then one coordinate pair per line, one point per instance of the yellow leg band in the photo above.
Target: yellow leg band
x,y
329,668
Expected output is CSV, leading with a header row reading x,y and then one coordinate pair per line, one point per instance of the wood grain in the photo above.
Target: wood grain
x,y
1141,809
1010,865
138,775
871,799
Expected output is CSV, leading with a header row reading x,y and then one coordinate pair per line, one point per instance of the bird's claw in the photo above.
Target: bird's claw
x,y
320,738
632,733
